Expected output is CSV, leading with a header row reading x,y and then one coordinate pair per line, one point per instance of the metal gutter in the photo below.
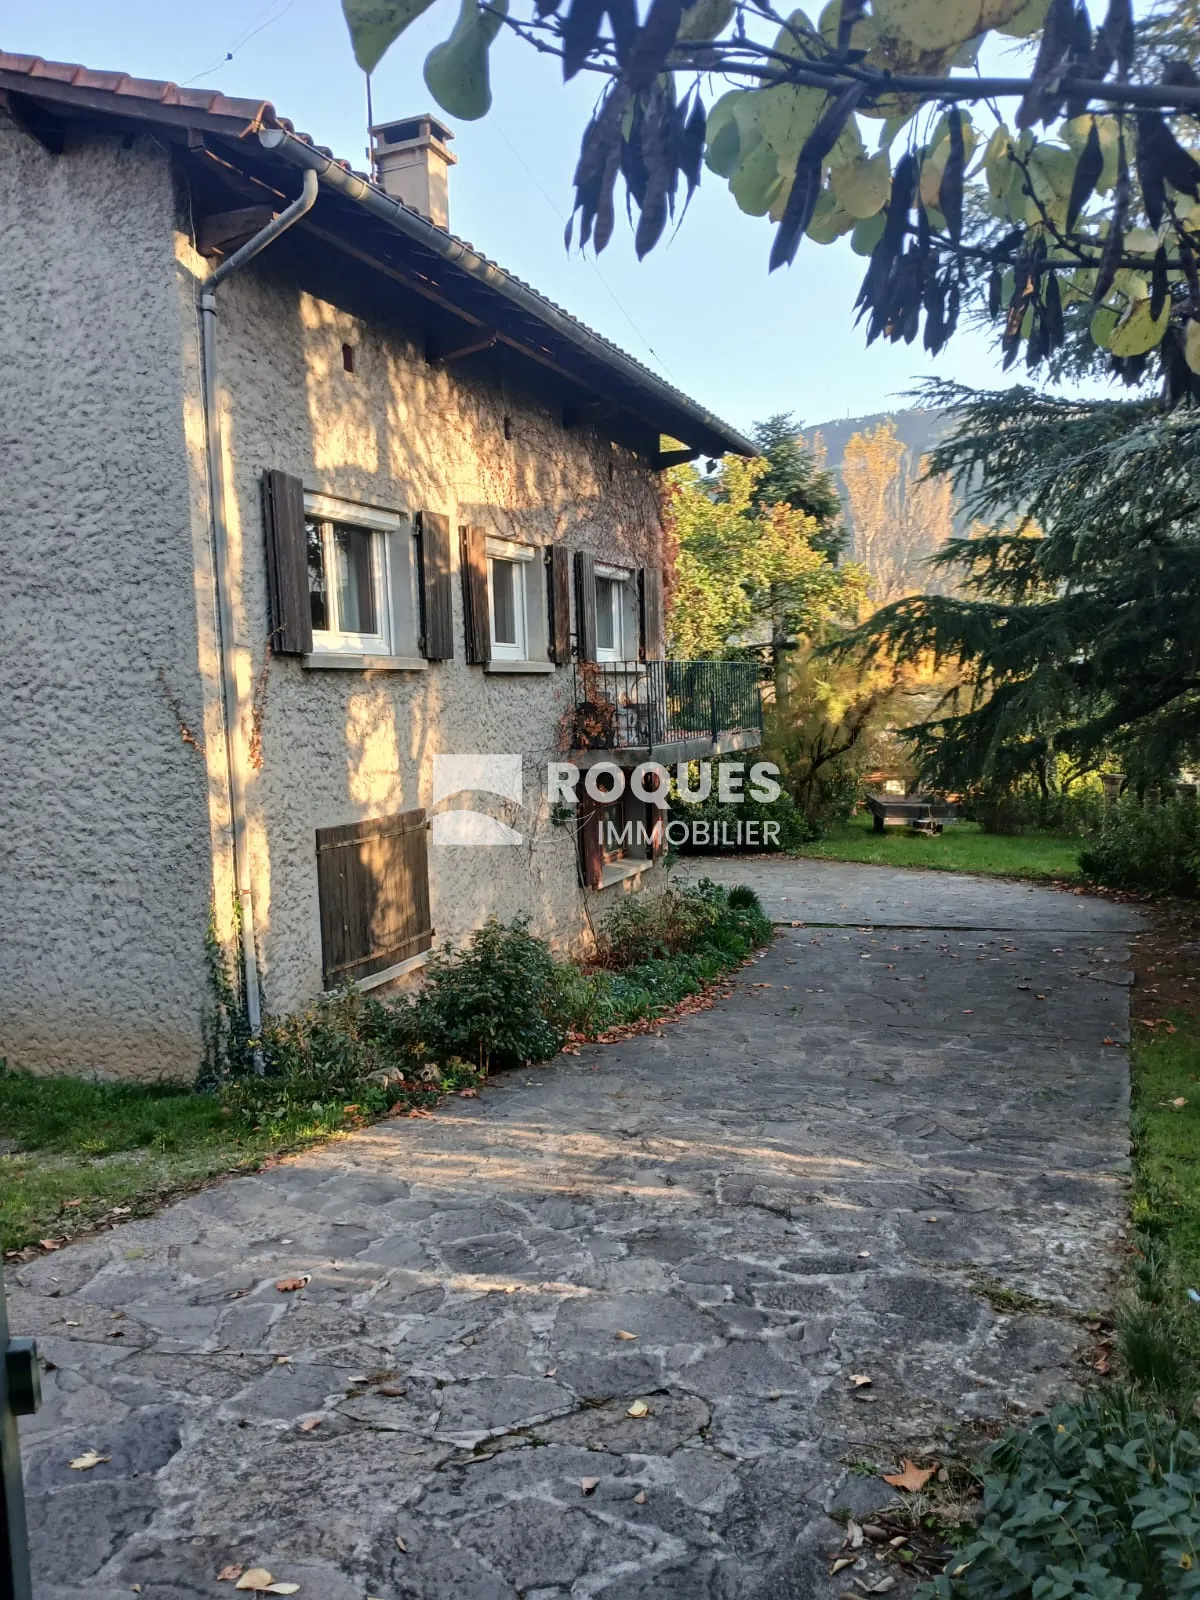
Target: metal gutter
x,y
709,435
231,702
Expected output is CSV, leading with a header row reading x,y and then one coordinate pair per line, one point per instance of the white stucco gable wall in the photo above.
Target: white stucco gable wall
x,y
105,858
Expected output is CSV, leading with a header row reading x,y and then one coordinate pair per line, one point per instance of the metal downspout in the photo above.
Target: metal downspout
x,y
230,695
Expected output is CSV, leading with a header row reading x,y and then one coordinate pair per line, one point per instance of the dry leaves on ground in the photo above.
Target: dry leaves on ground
x,y
911,1477
621,1333
588,1485
290,1285
639,1408
87,1461
859,1379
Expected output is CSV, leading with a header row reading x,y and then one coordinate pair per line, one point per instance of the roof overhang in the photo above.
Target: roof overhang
x,y
494,308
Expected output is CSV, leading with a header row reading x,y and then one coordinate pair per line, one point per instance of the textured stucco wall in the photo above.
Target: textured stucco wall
x,y
338,746
105,861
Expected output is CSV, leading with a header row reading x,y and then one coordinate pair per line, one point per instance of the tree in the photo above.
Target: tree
x,y
898,517
1081,221
794,478
749,578
1079,631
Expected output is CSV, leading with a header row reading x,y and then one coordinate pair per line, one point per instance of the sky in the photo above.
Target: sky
x,y
702,309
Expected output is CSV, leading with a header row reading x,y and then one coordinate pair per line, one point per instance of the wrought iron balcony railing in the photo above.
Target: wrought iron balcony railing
x,y
641,705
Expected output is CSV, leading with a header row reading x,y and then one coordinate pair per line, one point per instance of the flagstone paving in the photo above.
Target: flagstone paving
x,y
830,1173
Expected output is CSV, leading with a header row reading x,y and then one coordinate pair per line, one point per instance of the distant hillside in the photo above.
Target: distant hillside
x,y
919,430
895,521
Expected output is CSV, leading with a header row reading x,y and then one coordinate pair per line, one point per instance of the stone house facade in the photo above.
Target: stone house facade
x,y
315,521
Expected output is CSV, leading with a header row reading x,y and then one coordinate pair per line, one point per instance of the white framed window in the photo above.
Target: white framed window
x,y
515,599
616,619
362,580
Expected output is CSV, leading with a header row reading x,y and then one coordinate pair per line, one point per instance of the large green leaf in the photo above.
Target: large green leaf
x,y
785,116
928,24
756,182
374,24
706,19
456,72
723,134
862,187
1138,331
1025,20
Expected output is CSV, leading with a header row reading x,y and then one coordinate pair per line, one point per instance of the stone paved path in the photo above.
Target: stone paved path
x,y
815,1179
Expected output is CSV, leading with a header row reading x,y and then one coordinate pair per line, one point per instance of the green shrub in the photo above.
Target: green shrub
x,y
1097,1501
1147,844
645,927
1023,808
491,1003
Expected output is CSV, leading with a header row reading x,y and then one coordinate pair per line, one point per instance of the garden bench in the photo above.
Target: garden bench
x,y
918,813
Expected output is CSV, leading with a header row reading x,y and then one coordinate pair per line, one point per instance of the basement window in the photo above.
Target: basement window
x,y
347,358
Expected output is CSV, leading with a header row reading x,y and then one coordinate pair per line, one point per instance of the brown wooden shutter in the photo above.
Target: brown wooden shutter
x,y
650,597
559,590
589,842
585,605
475,595
437,600
287,564
373,888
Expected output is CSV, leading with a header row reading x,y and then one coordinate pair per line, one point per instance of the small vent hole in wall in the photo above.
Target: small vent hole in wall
x,y
348,358
508,428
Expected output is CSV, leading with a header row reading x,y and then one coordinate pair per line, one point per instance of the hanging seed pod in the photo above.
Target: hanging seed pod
x,y
951,197
806,185
1088,170
1114,245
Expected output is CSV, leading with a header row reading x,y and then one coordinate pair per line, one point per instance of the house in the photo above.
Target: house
x,y
322,534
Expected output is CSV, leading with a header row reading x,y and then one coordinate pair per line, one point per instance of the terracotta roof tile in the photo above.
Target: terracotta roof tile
x,y
210,101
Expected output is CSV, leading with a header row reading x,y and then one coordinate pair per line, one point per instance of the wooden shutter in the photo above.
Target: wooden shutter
x,y
559,590
585,605
287,564
373,888
650,599
437,601
589,842
475,595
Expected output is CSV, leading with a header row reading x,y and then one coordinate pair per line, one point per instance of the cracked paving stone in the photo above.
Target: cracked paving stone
x,y
472,1272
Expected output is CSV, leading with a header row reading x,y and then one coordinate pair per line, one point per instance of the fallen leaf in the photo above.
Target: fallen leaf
x,y
282,1588
254,1578
282,1361
910,1477
622,1334
840,1565
1179,1103
120,1211
72,1203
290,1285
394,1391
228,1574
401,1546
854,1534
639,1408
51,1244
588,1484
309,1424
87,1461
859,1379
468,1094
639,1498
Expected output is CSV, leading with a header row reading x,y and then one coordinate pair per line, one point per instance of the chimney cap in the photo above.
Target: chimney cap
x,y
410,130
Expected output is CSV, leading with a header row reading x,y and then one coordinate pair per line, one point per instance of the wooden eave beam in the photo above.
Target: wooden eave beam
x,y
33,119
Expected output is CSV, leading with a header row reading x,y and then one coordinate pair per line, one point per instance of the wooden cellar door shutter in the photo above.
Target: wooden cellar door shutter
x,y
585,605
373,891
591,846
475,595
287,564
437,604
559,589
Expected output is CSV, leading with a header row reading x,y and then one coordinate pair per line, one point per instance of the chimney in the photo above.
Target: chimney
x,y
412,164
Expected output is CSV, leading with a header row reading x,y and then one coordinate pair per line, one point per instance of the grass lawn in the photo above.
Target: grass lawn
x,y
73,1151
963,847
1165,1083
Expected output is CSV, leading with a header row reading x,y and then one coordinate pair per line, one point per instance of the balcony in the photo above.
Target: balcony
x,y
666,711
